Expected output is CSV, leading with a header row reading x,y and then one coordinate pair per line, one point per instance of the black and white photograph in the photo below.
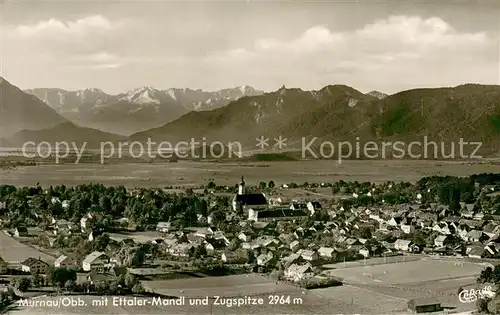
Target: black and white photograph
x,y
249,157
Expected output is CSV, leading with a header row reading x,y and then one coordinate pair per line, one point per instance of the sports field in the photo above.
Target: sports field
x,y
424,270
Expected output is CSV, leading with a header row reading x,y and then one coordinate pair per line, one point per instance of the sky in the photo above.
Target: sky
x,y
117,46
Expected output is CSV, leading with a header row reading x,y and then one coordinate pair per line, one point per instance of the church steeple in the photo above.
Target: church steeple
x,y
241,187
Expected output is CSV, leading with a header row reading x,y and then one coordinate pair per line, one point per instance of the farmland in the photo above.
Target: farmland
x,y
351,298
237,285
323,301
15,252
195,173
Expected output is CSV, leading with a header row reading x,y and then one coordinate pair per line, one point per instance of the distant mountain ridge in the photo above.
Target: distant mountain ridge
x,y
339,112
20,111
138,109
335,113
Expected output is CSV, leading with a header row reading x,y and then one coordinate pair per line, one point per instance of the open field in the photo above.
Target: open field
x,y
196,173
339,300
230,286
15,252
416,279
408,272
347,299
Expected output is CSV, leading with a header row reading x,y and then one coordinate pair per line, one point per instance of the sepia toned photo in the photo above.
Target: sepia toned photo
x,y
249,157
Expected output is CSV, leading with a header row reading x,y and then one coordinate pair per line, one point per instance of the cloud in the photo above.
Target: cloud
x,y
398,45
387,53
55,28
80,43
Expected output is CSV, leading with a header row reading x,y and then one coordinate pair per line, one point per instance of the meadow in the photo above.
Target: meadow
x,y
192,174
14,252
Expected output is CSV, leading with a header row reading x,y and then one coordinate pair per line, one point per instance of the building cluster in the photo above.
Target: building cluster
x,y
276,236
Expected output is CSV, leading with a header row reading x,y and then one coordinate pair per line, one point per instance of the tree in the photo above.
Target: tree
x,y
271,184
130,280
365,232
37,281
61,275
482,305
70,285
199,252
262,185
138,289
234,244
454,200
101,242
23,284
486,275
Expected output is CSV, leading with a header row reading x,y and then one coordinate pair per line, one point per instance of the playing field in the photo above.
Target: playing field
x,y
14,252
424,270
196,173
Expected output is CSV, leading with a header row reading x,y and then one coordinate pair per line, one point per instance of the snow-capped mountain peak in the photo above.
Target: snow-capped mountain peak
x,y
142,95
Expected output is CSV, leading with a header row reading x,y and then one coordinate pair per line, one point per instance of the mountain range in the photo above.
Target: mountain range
x,y
334,113
136,110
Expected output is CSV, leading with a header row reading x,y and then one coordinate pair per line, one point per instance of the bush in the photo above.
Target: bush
x,y
315,282
482,305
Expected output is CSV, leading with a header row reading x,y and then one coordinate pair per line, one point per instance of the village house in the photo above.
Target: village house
x,y
403,245
180,250
34,265
264,259
298,272
288,260
64,261
476,236
245,236
491,229
407,229
64,226
276,213
309,255
298,206
206,232
326,252
295,246
163,227
235,257
424,305
476,251
365,252
95,261
21,231
439,241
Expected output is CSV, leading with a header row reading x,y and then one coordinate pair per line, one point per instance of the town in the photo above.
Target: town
x,y
110,240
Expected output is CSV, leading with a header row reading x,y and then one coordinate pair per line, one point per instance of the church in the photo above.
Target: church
x,y
248,201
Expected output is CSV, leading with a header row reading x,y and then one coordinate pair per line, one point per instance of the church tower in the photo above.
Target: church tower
x,y
241,187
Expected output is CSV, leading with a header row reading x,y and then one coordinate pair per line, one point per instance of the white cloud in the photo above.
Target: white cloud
x,y
55,28
398,45
393,51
